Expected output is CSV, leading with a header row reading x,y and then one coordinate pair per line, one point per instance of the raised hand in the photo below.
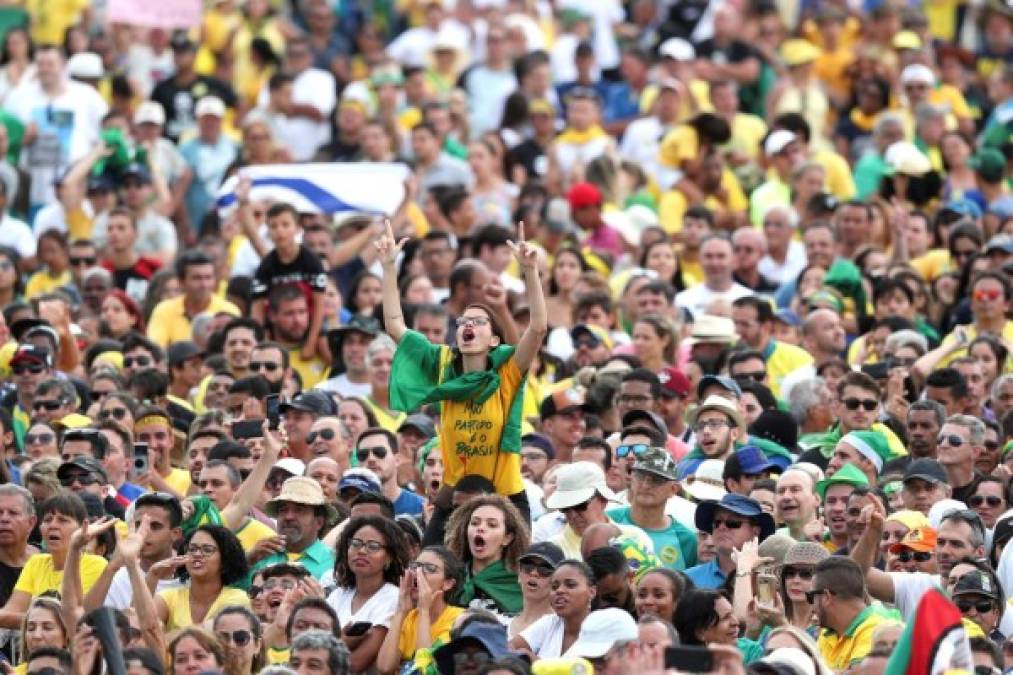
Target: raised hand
x,y
129,547
88,532
495,294
527,255
426,594
387,247
164,569
404,597
242,190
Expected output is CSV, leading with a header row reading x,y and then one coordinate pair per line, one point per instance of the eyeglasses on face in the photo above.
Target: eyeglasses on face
x,y
326,434
22,368
362,454
205,550
266,366
139,361
728,523
983,606
577,508
977,501
869,404
636,449
45,438
115,413
953,440
755,376
917,556
371,546
714,425
84,479
463,321
539,570
47,405
87,261
427,567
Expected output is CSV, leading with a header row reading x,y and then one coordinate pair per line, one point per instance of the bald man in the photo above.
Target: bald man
x,y
327,473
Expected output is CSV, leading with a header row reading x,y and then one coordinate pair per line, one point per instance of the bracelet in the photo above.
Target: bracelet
x,y
744,574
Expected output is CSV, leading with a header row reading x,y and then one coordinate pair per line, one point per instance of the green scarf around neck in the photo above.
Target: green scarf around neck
x,y
497,583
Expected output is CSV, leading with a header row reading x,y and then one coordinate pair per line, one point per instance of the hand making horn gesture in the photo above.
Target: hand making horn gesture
x,y
388,247
527,256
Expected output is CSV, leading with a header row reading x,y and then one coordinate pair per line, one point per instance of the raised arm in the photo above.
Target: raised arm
x,y
866,551
531,340
389,657
150,613
236,511
70,586
388,250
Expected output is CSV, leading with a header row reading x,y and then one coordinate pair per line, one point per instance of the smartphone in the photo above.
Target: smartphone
x,y
357,629
766,587
877,371
142,462
273,411
689,659
244,429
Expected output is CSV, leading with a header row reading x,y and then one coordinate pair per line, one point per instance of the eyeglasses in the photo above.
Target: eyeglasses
x,y
326,434
205,550
728,523
22,368
578,508
267,366
810,596
427,567
371,546
869,404
803,573
980,606
543,571
117,413
45,438
460,322
588,342
978,500
952,440
85,479
47,405
637,449
710,424
899,362
633,399
755,376
982,294
240,638
89,261
139,361
363,453
283,584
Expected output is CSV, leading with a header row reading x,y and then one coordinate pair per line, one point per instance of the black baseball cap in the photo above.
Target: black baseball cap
x,y
181,352
926,469
546,552
315,402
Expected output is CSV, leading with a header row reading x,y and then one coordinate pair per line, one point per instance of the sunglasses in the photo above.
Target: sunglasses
x,y
637,449
255,591
427,567
140,361
46,405
579,508
21,368
543,571
264,365
89,261
981,606
44,438
363,453
116,413
84,479
326,434
803,573
978,500
917,556
869,404
952,440
728,523
588,342
993,294
755,376
240,638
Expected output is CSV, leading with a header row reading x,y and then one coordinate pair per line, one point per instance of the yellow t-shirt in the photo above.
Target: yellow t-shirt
x,y
679,145
839,180
178,602
932,263
179,481
52,18
972,332
252,531
438,630
42,282
169,322
747,132
842,651
312,371
385,419
784,359
40,575
278,657
673,204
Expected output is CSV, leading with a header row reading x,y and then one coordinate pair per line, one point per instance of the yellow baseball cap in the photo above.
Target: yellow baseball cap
x,y
797,52
906,39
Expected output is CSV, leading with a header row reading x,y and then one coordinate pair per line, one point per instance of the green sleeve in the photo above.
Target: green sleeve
x,y
414,372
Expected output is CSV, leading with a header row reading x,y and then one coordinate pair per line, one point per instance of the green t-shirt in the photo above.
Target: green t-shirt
x,y
675,545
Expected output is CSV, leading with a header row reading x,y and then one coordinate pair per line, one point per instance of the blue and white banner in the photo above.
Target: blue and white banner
x,y
362,187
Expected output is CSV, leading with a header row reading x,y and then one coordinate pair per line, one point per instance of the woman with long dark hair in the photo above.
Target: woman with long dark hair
x,y
479,383
573,594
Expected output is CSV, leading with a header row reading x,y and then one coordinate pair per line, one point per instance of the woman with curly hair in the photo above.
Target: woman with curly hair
x,y
370,558
489,535
213,565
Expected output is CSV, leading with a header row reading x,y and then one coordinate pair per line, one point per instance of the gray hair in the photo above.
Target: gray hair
x,y
886,119
927,111
805,396
200,326
999,383
338,657
12,490
907,338
928,404
673,635
65,389
788,210
975,426
381,342
100,272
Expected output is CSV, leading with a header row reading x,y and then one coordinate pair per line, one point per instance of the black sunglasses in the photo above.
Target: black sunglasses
x,y
803,573
118,413
755,376
240,638
855,403
810,596
543,571
82,478
981,606
977,500
326,434
363,453
917,556
141,361
264,365
83,261
579,508
45,438
22,368
952,440
47,405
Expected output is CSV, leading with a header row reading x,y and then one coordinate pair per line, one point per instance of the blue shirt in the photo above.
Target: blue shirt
x,y
707,575
408,503
674,545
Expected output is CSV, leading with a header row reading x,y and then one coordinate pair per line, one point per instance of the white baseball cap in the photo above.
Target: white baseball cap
x,y
777,141
86,66
576,483
292,465
210,105
600,631
150,112
918,72
677,49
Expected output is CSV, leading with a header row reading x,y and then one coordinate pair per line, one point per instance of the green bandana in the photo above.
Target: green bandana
x,y
498,584
205,513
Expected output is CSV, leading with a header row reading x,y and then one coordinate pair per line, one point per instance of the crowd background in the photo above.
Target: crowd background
x,y
690,330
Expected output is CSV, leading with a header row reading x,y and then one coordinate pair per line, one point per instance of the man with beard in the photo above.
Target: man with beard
x,y
288,312
796,505
754,323
238,339
843,611
270,361
924,420
731,522
349,375
220,481
298,416
536,453
301,510
718,424
835,493
563,422
591,344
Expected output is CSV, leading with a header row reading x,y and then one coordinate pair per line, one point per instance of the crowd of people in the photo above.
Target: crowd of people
x,y
687,349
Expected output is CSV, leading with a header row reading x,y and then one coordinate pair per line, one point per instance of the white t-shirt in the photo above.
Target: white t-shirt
x,y
155,234
17,235
342,385
794,262
548,526
121,595
545,637
378,609
301,135
699,297
605,14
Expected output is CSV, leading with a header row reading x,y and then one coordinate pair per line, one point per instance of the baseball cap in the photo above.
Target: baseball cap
x,y
421,423
752,460
315,402
546,552
28,353
600,630
584,194
723,381
599,334
85,463
926,469
649,416
559,401
990,163
362,480
86,66
797,51
290,465
976,583
150,112
182,42
657,461
677,49
180,352
905,158
674,382
922,539
917,72
210,105
777,141
788,317
539,441
137,170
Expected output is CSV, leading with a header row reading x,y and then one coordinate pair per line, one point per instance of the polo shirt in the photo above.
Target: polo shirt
x,y
841,651
317,558
169,322
707,575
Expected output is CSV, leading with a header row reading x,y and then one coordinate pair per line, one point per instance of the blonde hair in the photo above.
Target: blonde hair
x,y
53,606
807,645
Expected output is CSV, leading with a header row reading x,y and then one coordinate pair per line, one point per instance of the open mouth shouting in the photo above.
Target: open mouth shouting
x,y
467,335
479,546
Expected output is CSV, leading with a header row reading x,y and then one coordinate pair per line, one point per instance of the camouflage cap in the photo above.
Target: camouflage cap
x,y
658,462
